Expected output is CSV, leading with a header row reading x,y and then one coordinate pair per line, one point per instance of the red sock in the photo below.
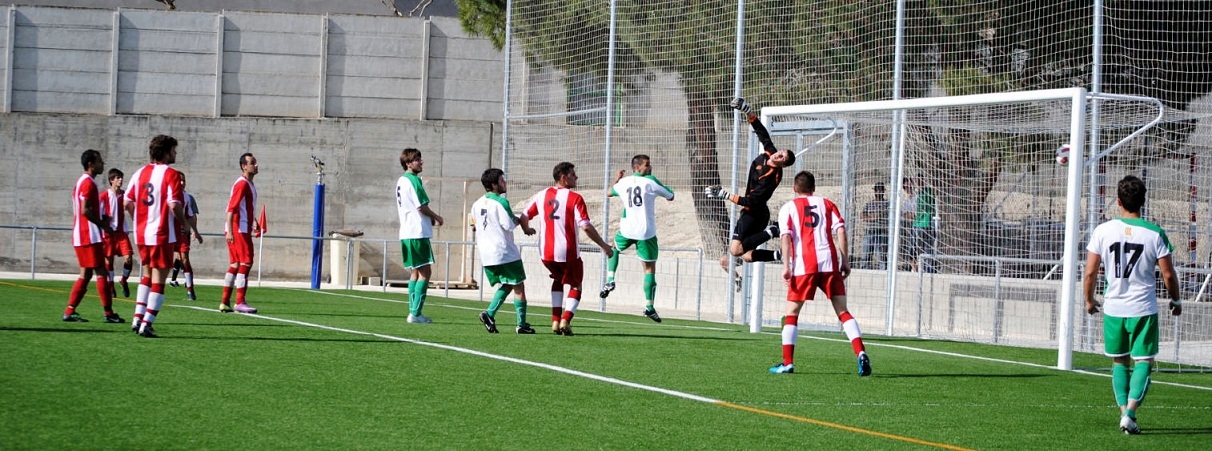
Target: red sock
x,y
229,279
567,316
77,295
104,288
557,313
792,322
788,354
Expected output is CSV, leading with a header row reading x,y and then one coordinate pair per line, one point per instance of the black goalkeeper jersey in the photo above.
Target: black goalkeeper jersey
x,y
763,178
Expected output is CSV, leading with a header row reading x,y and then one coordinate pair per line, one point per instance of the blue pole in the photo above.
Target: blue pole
x,y
317,232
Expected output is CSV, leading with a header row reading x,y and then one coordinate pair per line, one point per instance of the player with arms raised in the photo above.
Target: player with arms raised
x,y
638,226
494,225
561,211
154,197
814,256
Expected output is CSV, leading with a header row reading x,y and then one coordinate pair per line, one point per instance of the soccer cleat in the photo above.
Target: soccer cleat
x,y
489,322
225,308
125,289
113,318
173,283
74,318
652,315
418,319
606,289
190,295
1128,425
525,329
565,331
772,230
134,325
243,307
147,332
783,368
555,328
864,365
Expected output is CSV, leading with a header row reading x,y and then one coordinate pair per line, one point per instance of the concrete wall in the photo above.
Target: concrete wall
x,y
92,61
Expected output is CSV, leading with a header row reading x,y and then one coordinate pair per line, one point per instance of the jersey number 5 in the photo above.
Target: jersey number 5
x,y
813,217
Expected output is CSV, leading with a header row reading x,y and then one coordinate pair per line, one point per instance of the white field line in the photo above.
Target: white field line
x,y
813,337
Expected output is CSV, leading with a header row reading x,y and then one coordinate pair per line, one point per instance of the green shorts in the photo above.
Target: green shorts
x,y
1135,336
512,273
416,252
646,250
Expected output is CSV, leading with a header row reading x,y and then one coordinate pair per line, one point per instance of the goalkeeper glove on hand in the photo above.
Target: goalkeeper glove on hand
x,y
740,105
716,192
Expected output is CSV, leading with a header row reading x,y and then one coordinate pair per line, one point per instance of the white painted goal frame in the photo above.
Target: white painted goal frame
x,y
1073,197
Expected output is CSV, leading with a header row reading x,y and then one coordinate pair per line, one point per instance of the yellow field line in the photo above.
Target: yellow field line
x,y
841,426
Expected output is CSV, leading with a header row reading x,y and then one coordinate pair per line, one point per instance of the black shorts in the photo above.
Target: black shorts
x,y
750,222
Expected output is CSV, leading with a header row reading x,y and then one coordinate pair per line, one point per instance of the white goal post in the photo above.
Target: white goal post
x,y
893,113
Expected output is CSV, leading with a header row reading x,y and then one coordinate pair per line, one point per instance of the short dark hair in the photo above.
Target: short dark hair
x,y
244,158
1131,192
879,187
490,177
160,146
115,173
408,156
805,182
89,157
790,158
638,160
562,168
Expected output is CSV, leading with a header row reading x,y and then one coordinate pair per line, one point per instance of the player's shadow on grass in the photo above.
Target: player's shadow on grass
x,y
1177,431
54,329
355,315
296,339
231,324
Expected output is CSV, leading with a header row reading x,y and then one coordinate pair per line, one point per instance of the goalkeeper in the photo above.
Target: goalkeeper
x,y
753,226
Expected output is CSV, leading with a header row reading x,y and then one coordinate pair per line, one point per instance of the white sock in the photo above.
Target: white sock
x,y
557,298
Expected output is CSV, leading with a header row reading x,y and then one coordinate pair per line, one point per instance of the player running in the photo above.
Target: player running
x,y
638,226
494,222
561,211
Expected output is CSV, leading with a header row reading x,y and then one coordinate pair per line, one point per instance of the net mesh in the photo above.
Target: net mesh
x,y
999,189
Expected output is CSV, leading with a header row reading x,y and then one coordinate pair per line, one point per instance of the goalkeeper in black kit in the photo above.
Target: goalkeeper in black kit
x,y
753,226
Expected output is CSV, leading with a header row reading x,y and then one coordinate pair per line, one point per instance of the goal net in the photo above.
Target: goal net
x,y
968,215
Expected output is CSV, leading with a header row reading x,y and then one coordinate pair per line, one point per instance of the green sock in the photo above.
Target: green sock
x,y
612,264
1140,382
422,289
519,307
412,297
650,289
497,299
1119,383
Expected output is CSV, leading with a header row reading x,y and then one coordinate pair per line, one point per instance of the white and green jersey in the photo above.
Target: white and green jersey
x,y
494,222
410,196
1129,248
639,214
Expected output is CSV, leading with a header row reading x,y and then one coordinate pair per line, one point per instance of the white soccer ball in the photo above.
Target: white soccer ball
x,y
1062,154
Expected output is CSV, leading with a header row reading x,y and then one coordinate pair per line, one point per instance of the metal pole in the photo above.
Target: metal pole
x,y
317,227
1077,127
33,254
508,73
739,77
383,279
446,289
609,136
897,171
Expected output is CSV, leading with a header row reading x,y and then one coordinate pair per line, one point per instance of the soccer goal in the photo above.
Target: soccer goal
x,y
975,231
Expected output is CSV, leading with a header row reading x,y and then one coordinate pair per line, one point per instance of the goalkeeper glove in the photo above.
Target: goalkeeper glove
x,y
716,192
740,105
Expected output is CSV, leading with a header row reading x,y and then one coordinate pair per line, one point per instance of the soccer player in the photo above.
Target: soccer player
x,y
494,223
561,211
1131,248
188,229
154,199
753,225
416,229
117,242
814,256
638,226
87,227
238,230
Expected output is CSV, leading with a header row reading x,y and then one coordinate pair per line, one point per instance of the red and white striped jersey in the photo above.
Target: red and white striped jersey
x,y
242,205
153,190
562,212
84,195
811,221
111,206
